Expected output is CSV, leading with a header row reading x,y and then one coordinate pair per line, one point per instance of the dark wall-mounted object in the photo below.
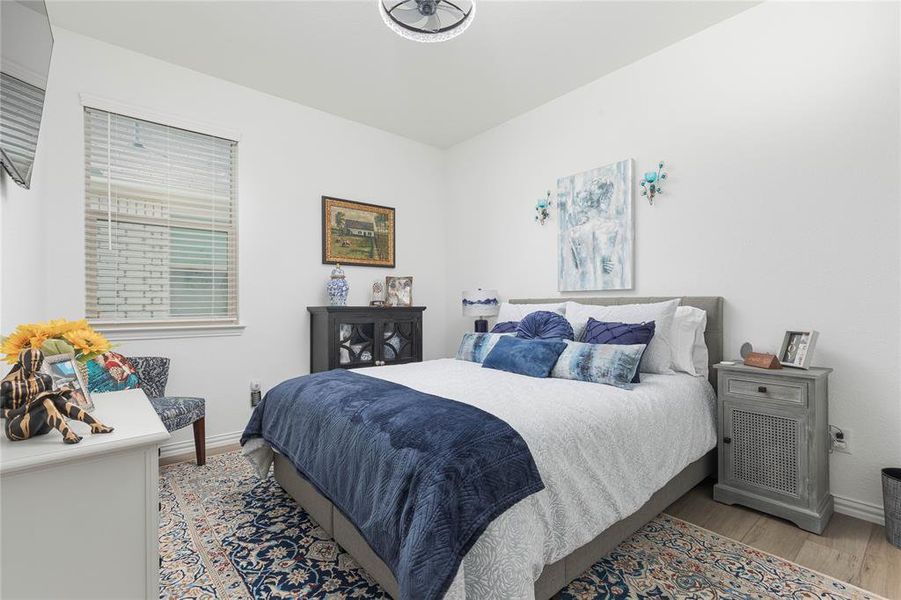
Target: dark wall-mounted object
x,y
26,43
349,337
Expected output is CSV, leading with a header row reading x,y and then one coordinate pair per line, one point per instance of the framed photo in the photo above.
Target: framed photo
x,y
355,233
399,291
797,348
64,372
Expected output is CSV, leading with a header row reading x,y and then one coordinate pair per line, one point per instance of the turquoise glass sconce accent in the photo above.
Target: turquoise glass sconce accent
x,y
651,183
543,209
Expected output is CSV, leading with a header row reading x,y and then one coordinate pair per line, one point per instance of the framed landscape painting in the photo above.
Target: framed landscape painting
x,y
356,233
595,238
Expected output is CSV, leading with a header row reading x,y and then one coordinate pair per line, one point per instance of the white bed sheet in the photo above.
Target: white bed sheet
x,y
601,452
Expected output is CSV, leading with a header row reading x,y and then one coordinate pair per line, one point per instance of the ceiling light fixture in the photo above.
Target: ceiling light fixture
x,y
428,20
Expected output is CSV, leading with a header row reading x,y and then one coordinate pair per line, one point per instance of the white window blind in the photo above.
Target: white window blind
x,y
20,118
160,223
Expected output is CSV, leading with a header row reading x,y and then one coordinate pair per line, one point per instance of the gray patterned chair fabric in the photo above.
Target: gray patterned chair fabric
x,y
153,374
178,411
174,411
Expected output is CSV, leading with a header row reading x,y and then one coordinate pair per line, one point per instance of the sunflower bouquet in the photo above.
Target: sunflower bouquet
x,y
58,336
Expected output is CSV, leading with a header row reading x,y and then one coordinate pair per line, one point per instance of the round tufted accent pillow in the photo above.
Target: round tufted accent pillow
x,y
544,325
505,327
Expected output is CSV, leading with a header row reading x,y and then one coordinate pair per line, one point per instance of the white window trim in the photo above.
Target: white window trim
x,y
148,114
164,329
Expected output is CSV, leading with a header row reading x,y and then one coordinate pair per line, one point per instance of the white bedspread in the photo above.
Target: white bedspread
x,y
601,451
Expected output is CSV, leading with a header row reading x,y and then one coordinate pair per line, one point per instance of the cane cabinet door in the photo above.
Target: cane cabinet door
x,y
765,450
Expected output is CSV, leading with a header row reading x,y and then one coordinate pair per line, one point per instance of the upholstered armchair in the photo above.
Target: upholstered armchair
x,y
174,411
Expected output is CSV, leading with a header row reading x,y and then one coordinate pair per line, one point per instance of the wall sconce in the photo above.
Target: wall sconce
x,y
650,183
543,209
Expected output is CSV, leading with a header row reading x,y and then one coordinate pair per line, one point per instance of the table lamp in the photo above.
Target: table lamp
x,y
480,303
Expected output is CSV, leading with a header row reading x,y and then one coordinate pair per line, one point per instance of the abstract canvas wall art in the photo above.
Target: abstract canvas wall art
x,y
594,209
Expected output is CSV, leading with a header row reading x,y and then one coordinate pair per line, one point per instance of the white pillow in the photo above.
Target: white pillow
x,y
689,348
515,312
658,357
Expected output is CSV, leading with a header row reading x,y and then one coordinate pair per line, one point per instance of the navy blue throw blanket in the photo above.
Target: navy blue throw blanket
x,y
420,476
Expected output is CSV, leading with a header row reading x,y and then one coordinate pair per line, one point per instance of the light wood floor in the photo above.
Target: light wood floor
x,y
849,549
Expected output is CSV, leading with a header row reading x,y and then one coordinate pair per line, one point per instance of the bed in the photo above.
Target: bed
x,y
625,455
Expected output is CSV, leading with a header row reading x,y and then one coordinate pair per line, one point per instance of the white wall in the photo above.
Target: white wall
x,y
779,128
288,156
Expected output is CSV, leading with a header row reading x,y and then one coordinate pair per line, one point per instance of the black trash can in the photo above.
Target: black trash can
x,y
891,500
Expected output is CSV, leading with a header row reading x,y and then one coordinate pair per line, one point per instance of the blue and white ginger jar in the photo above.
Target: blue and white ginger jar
x,y
337,287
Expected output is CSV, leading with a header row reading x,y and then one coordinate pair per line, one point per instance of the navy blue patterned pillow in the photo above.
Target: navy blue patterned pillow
x,y
619,334
544,325
505,327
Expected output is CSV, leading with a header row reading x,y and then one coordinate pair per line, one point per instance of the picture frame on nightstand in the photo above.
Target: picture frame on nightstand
x,y
797,348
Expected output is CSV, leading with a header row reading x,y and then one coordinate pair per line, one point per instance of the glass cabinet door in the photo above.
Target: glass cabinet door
x,y
398,339
356,343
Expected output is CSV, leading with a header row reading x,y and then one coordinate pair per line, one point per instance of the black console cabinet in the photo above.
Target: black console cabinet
x,y
348,337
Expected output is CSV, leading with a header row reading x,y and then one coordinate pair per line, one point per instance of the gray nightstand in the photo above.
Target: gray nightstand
x,y
774,442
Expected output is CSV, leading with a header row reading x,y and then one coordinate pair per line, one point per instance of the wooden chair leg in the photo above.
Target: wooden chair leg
x,y
200,440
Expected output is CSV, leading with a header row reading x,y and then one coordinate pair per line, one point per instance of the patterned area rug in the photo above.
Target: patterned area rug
x,y
226,534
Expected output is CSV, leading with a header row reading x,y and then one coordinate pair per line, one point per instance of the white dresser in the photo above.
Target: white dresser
x,y
82,520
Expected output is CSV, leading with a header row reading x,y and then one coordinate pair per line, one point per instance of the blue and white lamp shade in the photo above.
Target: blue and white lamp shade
x,y
480,303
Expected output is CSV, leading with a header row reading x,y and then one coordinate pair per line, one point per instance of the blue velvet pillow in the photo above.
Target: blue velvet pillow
x,y
544,325
599,363
534,358
619,334
505,327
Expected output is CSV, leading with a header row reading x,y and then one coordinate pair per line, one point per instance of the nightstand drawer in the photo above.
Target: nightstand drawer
x,y
765,388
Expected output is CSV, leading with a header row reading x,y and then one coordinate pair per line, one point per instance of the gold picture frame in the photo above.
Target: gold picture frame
x,y
356,233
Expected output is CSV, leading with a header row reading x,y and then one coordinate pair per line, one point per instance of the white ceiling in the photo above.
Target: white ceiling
x,y
338,56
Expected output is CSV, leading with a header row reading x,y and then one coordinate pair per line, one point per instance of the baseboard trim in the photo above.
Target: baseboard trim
x,y
212,441
860,510
872,513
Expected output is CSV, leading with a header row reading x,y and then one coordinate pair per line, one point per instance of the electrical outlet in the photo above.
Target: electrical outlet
x,y
841,439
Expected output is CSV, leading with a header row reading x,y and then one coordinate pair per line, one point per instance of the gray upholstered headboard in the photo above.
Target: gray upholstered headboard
x,y
713,335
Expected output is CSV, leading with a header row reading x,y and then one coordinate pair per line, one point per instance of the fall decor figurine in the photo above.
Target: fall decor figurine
x,y
30,406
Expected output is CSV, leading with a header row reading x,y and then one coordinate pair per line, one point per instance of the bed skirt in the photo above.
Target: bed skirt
x,y
554,577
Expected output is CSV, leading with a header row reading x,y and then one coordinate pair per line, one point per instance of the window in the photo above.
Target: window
x,y
160,223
